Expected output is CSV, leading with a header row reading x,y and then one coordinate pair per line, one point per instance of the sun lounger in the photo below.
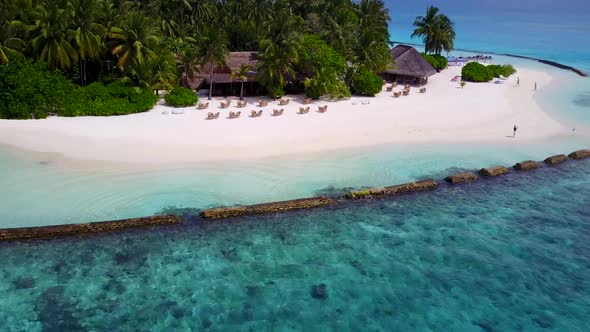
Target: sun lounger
x,y
394,84
303,110
422,90
224,104
389,88
212,116
323,109
242,104
262,103
307,101
203,106
283,102
234,115
406,92
254,114
276,112
397,94
407,87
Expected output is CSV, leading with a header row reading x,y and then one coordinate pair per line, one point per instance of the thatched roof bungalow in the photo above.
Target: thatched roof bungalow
x,y
411,67
222,74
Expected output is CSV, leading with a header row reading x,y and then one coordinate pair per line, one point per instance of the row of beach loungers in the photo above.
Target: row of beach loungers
x,y
404,92
257,114
243,103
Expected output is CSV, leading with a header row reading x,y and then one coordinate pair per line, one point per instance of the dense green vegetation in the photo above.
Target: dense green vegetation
x,y
181,97
116,98
30,90
160,44
439,62
501,70
437,31
366,83
476,72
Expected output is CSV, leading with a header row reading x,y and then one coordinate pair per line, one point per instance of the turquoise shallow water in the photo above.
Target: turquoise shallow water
x,y
509,254
38,189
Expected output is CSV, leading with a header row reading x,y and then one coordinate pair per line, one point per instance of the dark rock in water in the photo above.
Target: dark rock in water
x,y
122,258
56,312
401,189
526,165
485,326
319,292
24,282
296,204
166,305
544,321
580,154
493,171
206,323
130,259
251,290
461,178
230,254
554,160
114,285
171,307
178,312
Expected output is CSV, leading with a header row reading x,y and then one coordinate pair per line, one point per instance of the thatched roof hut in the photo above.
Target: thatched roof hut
x,y
410,66
222,74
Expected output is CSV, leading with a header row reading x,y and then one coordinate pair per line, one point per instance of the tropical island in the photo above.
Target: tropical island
x,y
307,76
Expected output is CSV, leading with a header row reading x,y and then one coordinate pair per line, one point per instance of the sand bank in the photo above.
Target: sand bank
x,y
482,112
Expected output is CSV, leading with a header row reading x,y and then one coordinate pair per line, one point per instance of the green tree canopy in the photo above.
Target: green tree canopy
x,y
437,31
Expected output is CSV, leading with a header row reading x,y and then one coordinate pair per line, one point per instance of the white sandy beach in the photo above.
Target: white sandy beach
x,y
446,113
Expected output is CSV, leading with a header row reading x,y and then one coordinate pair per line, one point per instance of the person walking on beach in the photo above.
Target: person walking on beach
x,y
535,86
514,131
518,81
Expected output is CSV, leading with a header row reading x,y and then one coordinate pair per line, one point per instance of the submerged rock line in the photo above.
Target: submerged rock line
x,y
462,178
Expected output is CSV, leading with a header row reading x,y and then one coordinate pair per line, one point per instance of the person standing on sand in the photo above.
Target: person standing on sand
x,y
514,131
535,86
518,81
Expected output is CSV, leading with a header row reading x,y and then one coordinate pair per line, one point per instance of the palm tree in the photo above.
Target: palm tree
x,y
157,74
436,30
274,63
49,36
87,42
3,57
135,42
241,74
212,51
187,63
373,15
372,52
10,45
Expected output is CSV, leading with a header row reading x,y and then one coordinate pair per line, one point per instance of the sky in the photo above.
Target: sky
x,y
473,6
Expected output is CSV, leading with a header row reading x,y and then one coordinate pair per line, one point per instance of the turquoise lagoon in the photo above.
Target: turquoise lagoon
x,y
40,189
508,254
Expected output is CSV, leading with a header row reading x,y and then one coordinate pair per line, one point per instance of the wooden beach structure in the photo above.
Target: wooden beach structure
x,y
223,84
410,67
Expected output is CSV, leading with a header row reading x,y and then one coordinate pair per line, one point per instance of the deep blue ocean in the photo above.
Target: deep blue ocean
x,y
547,29
508,254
